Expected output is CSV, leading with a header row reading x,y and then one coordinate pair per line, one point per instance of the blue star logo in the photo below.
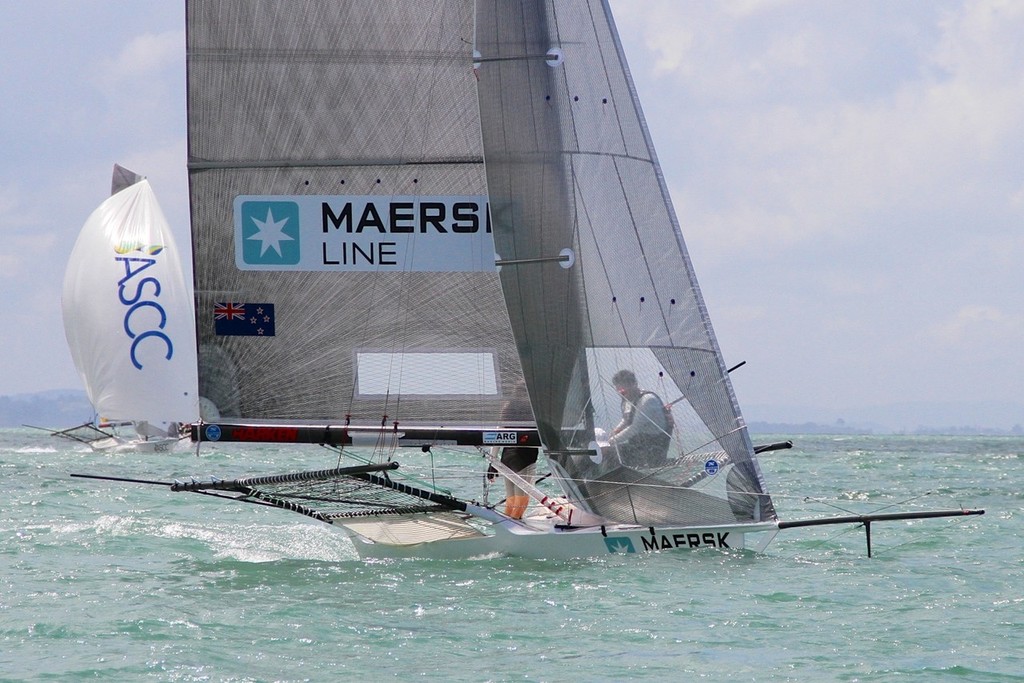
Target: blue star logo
x,y
270,232
619,545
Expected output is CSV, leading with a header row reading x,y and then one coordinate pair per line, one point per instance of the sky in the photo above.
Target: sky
x,y
848,177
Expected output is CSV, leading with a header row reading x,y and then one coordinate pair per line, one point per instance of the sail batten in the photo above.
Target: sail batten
x,y
321,163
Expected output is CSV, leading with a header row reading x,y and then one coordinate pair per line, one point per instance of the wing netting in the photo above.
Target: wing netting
x,y
327,495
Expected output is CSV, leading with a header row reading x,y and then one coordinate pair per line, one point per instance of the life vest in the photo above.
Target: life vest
x,y
647,449
670,421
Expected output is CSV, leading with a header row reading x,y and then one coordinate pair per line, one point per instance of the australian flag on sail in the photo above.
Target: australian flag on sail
x,y
247,320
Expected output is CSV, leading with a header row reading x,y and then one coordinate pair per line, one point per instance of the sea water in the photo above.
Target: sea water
x,y
117,581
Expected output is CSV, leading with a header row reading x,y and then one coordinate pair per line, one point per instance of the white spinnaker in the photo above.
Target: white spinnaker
x,y
128,312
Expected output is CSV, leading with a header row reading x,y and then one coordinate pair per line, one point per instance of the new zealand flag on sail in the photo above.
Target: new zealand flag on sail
x,y
248,320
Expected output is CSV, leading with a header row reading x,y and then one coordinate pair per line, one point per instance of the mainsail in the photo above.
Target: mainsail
x,y
128,310
603,281
344,266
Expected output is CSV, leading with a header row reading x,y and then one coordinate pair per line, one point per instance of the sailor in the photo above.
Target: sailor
x,y
642,437
519,459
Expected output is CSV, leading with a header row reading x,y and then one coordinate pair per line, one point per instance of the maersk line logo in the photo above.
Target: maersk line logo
x,y
363,233
270,233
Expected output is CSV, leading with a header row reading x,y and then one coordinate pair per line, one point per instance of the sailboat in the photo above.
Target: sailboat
x,y
399,219
129,324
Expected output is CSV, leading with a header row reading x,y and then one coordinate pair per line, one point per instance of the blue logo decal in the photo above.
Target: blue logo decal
x,y
711,467
270,233
133,299
500,438
619,545
213,433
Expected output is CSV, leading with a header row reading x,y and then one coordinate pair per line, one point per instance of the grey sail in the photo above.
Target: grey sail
x,y
344,266
123,178
571,170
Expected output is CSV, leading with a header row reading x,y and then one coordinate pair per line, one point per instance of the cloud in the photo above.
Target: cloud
x,y
981,41
145,55
974,327
804,135
847,178
142,90
24,246
751,8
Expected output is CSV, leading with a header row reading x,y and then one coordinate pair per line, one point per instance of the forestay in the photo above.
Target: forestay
x,y
604,281
343,256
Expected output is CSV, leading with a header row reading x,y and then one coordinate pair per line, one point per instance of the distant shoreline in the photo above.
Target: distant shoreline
x,y
826,429
58,409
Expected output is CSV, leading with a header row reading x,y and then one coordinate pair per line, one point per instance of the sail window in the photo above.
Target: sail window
x,y
426,373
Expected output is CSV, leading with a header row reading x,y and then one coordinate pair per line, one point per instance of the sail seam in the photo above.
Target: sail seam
x,y
321,163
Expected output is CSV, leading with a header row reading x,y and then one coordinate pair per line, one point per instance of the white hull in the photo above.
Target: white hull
x,y
118,438
117,444
540,538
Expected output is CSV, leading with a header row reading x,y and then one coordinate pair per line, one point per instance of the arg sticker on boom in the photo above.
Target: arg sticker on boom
x,y
500,438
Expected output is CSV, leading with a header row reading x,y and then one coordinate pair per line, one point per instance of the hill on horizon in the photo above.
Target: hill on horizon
x,y
56,409
60,408
930,417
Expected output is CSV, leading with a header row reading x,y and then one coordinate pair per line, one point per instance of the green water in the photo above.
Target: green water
x,y
110,581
